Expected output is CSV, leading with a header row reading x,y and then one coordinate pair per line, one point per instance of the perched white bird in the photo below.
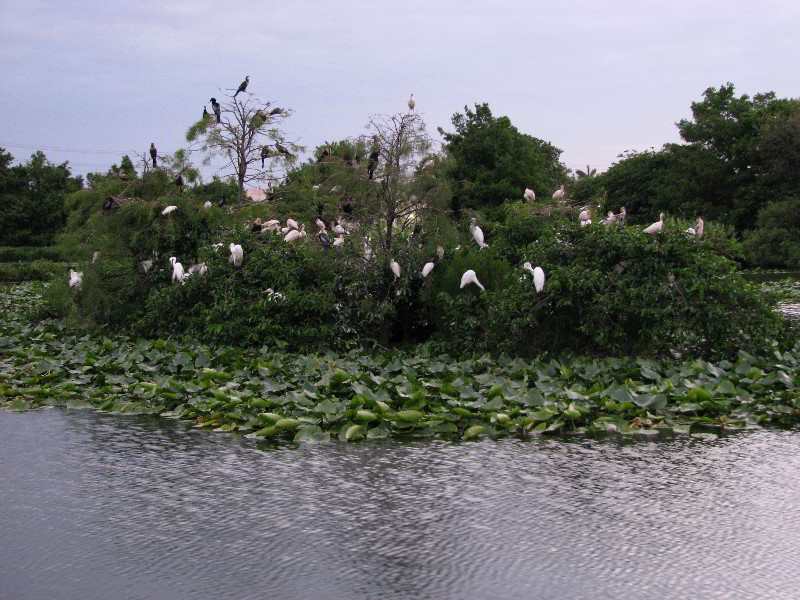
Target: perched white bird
x,y
657,226
411,102
690,231
584,215
292,223
699,226
559,193
75,278
285,230
271,222
395,267
237,255
270,226
200,269
207,204
529,195
338,241
295,234
470,277
338,229
586,223
440,252
477,233
169,209
146,265
177,270
368,254
320,224
621,216
95,256
426,270
538,279
610,219
315,187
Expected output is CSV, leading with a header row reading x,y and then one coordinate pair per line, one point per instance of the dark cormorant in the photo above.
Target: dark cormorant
x,y
153,153
282,150
325,154
374,154
221,201
215,108
323,237
243,85
205,114
275,111
264,155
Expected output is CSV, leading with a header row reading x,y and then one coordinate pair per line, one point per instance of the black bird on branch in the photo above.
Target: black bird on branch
x,y
323,237
243,85
179,181
153,153
275,111
282,149
205,114
221,201
374,154
326,153
264,155
215,107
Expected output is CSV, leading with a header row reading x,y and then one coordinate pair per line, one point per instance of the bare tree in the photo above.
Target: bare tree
x,y
248,136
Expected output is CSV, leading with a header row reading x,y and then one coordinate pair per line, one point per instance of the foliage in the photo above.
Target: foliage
x,y
32,199
362,396
775,242
25,253
493,161
40,270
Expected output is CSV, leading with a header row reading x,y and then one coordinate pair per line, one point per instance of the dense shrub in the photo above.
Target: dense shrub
x,y
776,240
673,294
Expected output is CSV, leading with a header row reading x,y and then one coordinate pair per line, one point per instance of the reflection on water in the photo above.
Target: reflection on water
x,y
98,506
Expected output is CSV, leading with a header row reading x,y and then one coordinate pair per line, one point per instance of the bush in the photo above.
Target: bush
x,y
776,240
42,270
27,254
673,294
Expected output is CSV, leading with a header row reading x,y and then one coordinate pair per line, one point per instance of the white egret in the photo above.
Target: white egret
x,y
237,255
477,233
528,267
146,265
395,267
95,256
368,254
529,195
610,219
207,204
200,269
699,226
177,270
285,230
169,209
691,231
426,270
584,215
440,252
538,279
560,193
338,241
411,102
621,217
586,223
657,226
270,226
338,229
320,225
75,278
292,223
295,234
470,277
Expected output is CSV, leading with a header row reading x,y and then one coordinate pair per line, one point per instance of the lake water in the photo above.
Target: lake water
x,y
101,506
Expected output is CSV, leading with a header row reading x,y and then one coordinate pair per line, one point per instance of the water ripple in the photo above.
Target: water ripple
x,y
128,507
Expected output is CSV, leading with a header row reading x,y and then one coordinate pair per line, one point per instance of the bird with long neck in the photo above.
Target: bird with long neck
x,y
242,86
216,108
477,233
657,226
412,103
470,277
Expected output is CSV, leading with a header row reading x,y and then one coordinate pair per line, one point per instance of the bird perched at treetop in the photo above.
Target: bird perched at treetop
x,y
294,234
538,276
621,217
477,233
560,193
280,148
275,111
374,154
206,115
177,270
237,255
529,195
411,102
215,107
657,226
153,153
264,155
243,85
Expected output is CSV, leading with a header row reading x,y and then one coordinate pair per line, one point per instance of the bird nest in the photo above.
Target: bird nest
x,y
112,202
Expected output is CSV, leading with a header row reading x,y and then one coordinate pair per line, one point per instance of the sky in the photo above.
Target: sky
x,y
88,81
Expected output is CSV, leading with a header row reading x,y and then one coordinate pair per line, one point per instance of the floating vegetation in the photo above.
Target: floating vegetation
x,y
360,395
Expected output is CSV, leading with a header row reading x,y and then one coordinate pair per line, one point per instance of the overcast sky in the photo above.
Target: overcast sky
x,y
87,81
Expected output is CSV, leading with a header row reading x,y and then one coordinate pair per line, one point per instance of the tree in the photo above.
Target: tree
x,y
589,172
493,161
247,136
32,199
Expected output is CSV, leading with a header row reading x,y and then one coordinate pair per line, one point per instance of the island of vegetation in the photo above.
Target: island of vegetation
x,y
383,288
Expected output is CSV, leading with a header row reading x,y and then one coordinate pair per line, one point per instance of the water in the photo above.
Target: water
x,y
100,506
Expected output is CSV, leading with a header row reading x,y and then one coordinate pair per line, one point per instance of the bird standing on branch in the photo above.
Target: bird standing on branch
x,y
205,114
215,107
372,162
264,155
282,149
243,85
411,102
153,153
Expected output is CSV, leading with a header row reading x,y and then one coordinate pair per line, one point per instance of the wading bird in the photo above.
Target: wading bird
x,y
395,267
412,103
323,238
207,204
292,224
477,233
243,85
237,255
294,234
146,265
440,252
538,279
75,279
657,226
153,153
264,155
200,269
169,209
215,107
584,216
610,219
280,148
177,270
95,256
560,193
338,241
470,277
529,195
621,217
426,270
